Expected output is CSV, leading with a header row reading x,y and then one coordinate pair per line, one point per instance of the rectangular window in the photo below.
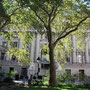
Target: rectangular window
x,y
0,69
79,58
81,72
68,59
45,66
24,72
68,71
2,56
13,57
81,75
11,69
4,43
15,44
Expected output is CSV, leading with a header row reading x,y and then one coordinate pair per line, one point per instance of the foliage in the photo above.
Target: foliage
x,y
7,77
45,83
64,77
11,74
56,18
27,38
7,10
61,87
83,78
1,74
8,80
35,82
3,15
22,53
10,77
67,77
47,75
67,14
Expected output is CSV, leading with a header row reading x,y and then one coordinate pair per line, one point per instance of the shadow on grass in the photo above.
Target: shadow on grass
x,y
59,87
37,88
74,87
64,87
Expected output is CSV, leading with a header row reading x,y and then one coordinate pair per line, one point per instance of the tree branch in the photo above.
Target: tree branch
x,y
45,11
8,19
52,10
63,31
41,19
3,25
54,14
73,30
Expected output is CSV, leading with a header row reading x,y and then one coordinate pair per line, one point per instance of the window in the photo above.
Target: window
x,y
15,35
45,66
11,69
81,75
81,72
0,69
15,44
68,71
4,44
67,58
2,56
13,57
79,58
24,71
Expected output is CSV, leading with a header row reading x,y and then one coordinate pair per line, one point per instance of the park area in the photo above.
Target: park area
x,y
61,86
65,81
44,45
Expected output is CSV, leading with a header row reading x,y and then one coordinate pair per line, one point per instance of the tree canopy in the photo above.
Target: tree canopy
x,y
58,19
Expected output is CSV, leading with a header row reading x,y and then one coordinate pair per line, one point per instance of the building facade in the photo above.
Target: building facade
x,y
8,64
79,62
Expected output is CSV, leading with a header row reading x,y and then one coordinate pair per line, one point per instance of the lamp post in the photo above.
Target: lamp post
x,y
38,60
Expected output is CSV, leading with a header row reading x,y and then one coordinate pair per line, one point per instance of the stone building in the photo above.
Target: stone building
x,y
39,61
79,62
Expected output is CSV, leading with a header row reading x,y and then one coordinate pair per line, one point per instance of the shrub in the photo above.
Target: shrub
x,y
64,77
8,80
10,77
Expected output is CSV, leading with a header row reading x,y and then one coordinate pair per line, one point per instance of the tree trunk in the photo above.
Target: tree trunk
x,y
52,80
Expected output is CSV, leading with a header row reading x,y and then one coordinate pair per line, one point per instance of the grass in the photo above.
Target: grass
x,y
59,87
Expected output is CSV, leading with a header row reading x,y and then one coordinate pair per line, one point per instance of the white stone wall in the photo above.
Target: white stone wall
x,y
35,52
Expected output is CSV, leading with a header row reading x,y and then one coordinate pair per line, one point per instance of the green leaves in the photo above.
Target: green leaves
x,y
27,38
62,16
21,54
63,48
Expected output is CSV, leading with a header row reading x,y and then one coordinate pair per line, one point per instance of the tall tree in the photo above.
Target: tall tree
x,y
58,17
53,17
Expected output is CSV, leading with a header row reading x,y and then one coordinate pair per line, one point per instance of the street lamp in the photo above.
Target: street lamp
x,y
38,60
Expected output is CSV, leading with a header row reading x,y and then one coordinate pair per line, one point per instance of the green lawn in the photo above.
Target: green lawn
x,y
60,87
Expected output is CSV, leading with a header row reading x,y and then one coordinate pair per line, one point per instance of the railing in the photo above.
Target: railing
x,y
78,62
83,63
